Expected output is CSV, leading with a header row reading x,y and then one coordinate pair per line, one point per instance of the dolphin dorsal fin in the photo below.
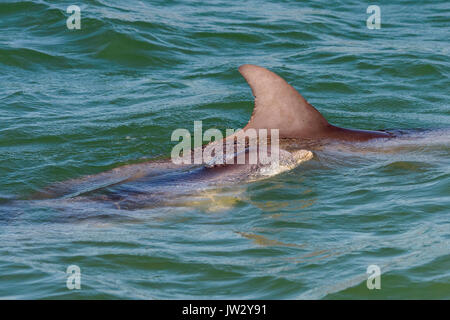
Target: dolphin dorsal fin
x,y
279,106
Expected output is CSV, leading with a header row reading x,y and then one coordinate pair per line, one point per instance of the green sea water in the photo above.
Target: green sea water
x,y
80,102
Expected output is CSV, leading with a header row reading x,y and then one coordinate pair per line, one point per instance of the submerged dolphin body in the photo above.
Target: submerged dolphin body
x,y
277,106
162,183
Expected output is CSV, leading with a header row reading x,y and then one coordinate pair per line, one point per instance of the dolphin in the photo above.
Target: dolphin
x,y
302,129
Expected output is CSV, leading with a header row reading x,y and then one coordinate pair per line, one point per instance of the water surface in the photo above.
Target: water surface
x,y
80,102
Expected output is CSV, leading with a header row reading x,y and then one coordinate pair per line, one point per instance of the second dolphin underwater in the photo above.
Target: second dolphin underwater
x,y
302,130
